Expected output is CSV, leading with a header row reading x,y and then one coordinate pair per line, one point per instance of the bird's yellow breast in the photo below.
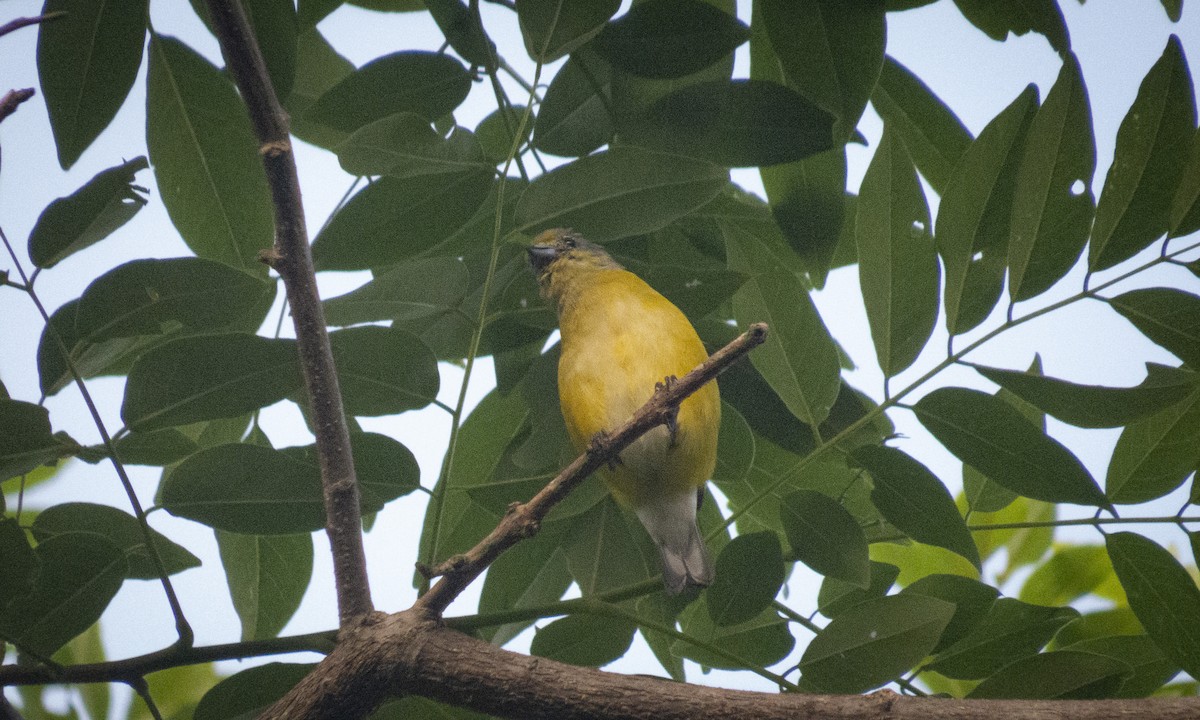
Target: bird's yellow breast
x,y
619,338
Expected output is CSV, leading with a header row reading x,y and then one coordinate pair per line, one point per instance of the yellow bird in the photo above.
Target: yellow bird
x,y
619,338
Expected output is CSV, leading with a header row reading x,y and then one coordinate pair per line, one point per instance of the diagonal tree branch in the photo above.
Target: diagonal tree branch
x,y
291,258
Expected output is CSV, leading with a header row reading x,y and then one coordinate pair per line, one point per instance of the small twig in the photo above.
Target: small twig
x,y
292,259
12,100
21,22
524,520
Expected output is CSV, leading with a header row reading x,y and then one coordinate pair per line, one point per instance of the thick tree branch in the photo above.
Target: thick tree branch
x,y
523,520
291,258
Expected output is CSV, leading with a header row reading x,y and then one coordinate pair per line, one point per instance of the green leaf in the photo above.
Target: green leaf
x,y
267,576
18,563
603,550
669,38
972,601
1068,575
461,31
897,265
799,360
1135,205
760,642
496,133
1091,406
837,596
620,192
394,219
911,497
974,215
1024,545
318,68
749,574
205,158
1010,631
88,215
1155,455
79,576
1185,207
424,83
992,436
531,573
1162,594
1151,668
87,61
935,137
419,288
830,51
574,118
104,523
386,469
997,20
208,377
151,297
383,371
873,643
825,537
247,693
553,28
1169,317
1061,675
808,202
404,145
587,640
26,439
1053,203
734,123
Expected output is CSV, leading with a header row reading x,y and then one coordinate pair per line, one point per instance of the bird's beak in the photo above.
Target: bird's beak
x,y
542,255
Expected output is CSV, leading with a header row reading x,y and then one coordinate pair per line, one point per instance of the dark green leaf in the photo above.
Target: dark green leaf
x,y
808,202
553,28
318,68
974,215
151,297
669,38
415,289
404,145
1061,675
394,219
972,601
383,371
588,640
749,574
1010,631
157,447
1185,207
274,25
760,642
825,537
1162,594
386,469
873,642
531,573
911,497
1155,455
462,32
574,117
79,576
247,693
496,133
208,377
26,439
603,550
1169,317
267,576
992,436
18,563
119,528
205,158
799,359
1024,545
734,123
623,191
88,215
1135,205
428,84
1151,668
933,134
1091,406
831,51
87,61
697,291
1069,574
997,20
837,596
897,264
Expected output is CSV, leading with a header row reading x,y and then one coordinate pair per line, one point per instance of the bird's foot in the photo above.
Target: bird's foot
x,y
599,444
672,421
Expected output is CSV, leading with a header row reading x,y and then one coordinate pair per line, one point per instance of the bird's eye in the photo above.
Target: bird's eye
x,y
568,242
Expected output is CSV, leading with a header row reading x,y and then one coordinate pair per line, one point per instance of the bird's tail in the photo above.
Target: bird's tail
x,y
671,523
